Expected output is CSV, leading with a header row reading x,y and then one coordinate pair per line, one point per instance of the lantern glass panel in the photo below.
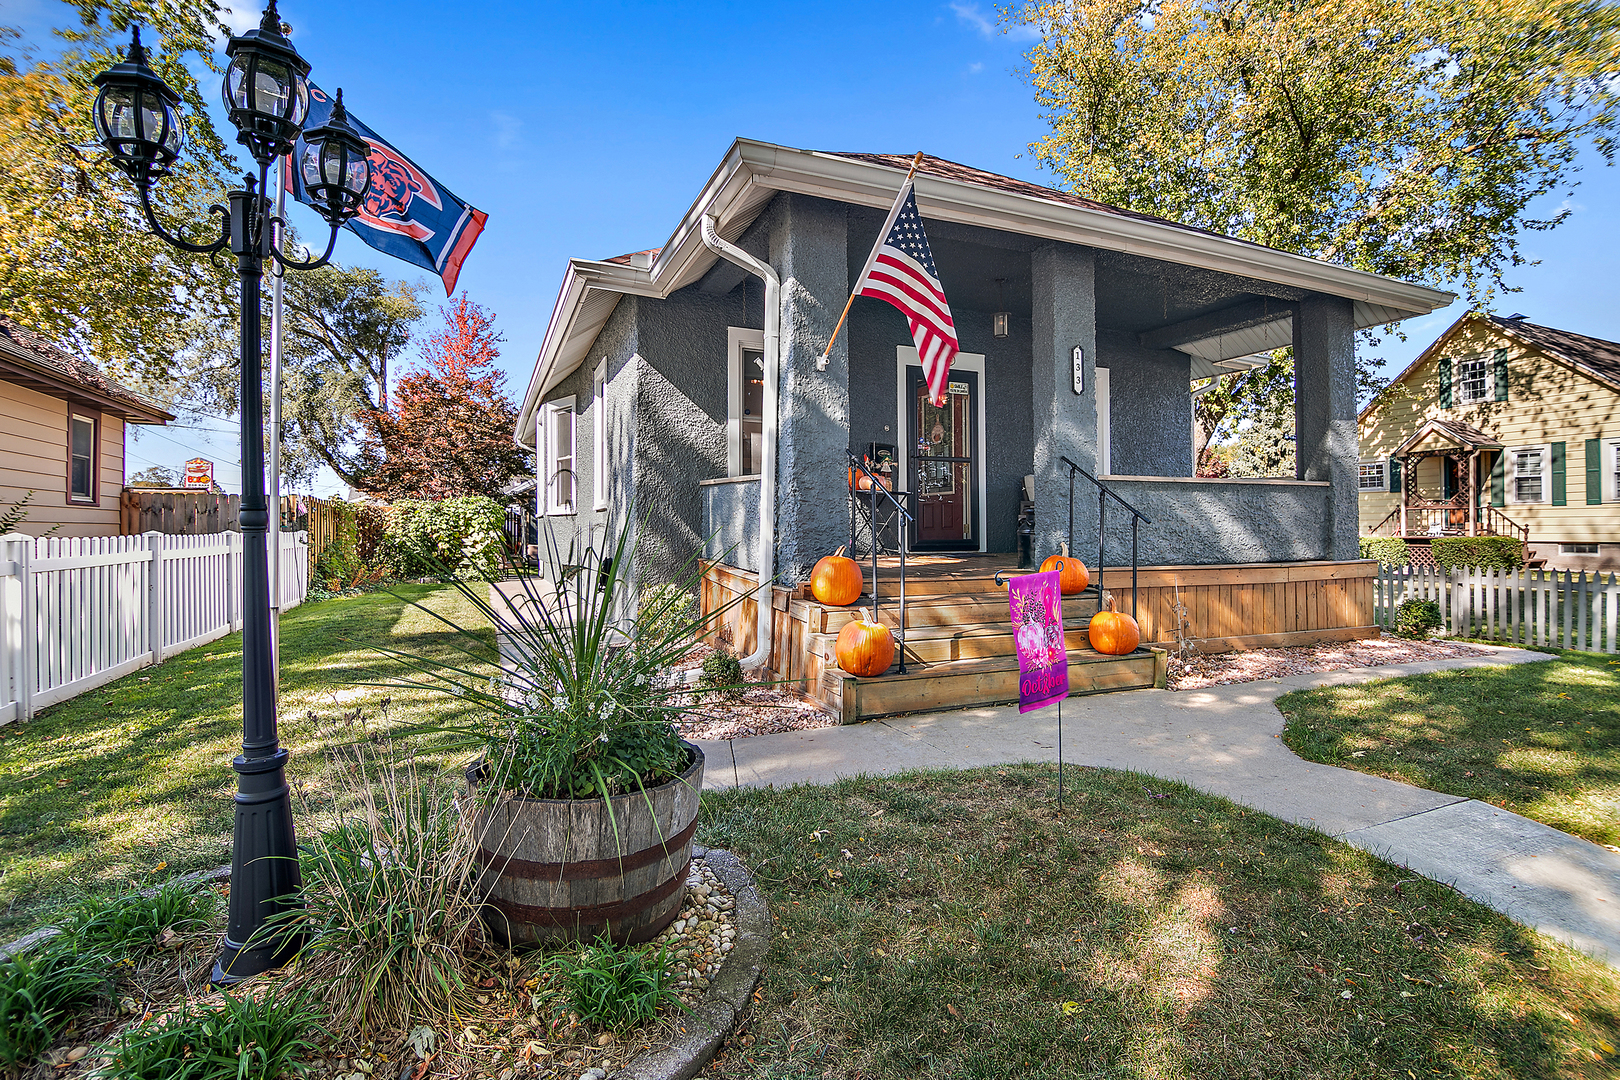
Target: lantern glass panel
x,y
272,88
172,139
235,76
116,117
356,177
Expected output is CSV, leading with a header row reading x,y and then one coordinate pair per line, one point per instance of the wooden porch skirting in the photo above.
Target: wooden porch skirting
x,y
1228,607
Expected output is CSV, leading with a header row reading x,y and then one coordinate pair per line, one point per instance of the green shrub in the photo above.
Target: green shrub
x,y
424,539
253,1038
1415,617
1388,550
125,922
670,601
1477,552
617,987
39,991
723,673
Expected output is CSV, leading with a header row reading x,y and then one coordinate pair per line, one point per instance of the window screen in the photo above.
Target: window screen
x,y
1471,380
82,457
1527,476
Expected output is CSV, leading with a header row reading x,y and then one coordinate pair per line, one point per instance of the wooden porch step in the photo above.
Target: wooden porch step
x,y
940,609
960,684
967,641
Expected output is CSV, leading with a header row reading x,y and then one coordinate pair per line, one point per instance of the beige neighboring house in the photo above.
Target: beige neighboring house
x,y
62,436
1502,427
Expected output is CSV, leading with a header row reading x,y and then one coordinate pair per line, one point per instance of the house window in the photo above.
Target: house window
x,y
1471,380
81,458
599,436
745,428
1528,474
1577,549
559,476
1370,476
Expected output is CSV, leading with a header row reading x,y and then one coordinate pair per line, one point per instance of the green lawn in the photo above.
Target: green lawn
x,y
1540,739
952,925
132,781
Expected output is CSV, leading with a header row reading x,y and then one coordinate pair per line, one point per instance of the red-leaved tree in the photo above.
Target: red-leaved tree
x,y
447,431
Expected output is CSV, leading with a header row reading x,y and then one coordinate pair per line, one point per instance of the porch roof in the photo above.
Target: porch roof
x,y
753,172
1448,432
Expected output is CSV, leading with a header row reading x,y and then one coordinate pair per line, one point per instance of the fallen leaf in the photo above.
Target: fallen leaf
x,y
953,1010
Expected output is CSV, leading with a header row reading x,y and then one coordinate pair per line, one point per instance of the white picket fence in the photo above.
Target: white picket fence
x,y
1564,608
77,612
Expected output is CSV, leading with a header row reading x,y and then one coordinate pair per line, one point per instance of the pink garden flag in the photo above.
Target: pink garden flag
x,y
1036,601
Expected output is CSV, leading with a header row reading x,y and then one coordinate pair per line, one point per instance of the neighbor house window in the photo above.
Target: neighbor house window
x,y
1370,476
1577,549
81,458
559,476
599,436
1471,380
745,428
1528,474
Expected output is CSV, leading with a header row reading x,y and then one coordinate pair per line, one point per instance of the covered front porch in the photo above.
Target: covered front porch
x,y
1447,474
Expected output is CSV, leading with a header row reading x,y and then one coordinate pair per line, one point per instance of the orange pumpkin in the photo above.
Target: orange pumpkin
x,y
1113,632
860,481
837,579
1072,575
865,648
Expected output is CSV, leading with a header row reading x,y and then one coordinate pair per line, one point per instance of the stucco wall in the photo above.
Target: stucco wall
x,y
1210,521
1150,407
731,522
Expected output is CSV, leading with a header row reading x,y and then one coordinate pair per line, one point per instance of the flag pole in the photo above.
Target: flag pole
x,y
822,363
276,276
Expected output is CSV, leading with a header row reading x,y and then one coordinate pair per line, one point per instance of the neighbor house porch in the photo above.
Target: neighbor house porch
x,y
1448,475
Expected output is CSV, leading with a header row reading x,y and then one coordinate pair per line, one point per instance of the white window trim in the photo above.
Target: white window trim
x,y
1105,421
1383,473
1487,387
1510,471
95,459
739,340
1609,462
600,480
554,508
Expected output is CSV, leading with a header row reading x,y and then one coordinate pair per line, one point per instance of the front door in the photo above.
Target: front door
x,y
943,463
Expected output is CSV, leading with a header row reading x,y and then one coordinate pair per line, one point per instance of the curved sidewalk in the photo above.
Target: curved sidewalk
x,y
1226,740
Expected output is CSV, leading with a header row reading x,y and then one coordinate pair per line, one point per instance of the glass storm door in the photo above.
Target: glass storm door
x,y
943,463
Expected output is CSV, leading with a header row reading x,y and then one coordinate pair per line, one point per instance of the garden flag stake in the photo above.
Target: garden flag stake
x,y
407,213
901,271
1035,602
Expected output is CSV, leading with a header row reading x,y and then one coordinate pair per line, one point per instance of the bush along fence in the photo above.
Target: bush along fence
x,y
77,612
1565,609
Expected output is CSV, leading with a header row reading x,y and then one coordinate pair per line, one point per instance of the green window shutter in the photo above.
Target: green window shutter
x,y
1499,478
1560,491
1394,467
1594,471
1499,365
1445,382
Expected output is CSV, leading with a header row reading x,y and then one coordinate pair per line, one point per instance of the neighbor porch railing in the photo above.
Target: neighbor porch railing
x,y
902,517
1439,519
1566,609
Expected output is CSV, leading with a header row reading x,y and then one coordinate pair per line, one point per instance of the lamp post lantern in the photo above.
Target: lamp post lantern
x,y
267,93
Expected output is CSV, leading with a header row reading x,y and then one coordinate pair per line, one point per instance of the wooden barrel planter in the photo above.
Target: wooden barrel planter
x,y
556,870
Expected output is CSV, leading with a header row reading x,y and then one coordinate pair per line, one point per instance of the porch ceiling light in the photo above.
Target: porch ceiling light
x,y
266,89
999,321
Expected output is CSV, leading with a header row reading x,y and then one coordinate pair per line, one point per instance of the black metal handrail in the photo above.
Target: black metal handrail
x,y
902,528
1104,493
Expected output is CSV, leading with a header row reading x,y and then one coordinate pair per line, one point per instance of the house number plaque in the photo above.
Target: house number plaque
x,y
1079,370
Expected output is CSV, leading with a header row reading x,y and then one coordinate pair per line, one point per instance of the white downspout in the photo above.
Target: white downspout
x,y
766,558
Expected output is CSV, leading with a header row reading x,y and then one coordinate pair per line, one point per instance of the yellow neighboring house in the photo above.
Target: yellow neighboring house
x,y
1502,427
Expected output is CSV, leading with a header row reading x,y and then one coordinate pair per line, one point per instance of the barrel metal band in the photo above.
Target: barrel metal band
x,y
572,916
587,869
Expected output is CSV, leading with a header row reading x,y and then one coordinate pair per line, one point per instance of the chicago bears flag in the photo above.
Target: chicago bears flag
x,y
901,271
407,213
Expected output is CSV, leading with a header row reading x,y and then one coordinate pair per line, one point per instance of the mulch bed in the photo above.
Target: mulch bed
x,y
762,710
1195,672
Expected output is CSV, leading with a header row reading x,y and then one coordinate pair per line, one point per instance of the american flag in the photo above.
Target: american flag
x,y
901,271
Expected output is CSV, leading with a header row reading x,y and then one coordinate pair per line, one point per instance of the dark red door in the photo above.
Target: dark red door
x,y
943,465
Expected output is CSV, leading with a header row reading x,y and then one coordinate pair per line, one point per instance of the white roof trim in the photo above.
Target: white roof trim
x,y
753,171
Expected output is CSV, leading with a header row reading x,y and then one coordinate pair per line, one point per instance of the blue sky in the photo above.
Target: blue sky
x,y
586,129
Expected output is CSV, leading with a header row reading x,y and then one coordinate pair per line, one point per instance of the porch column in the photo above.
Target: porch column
x,y
1473,493
808,241
1406,491
1064,315
1325,413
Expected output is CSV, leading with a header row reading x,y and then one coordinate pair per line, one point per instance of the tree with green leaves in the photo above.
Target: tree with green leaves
x,y
1403,137
77,262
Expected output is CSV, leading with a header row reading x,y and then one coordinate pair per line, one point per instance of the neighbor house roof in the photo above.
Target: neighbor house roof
x,y
29,359
1465,435
1593,357
752,173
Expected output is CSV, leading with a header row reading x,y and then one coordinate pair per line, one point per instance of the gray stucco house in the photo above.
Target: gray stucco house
x,y
647,388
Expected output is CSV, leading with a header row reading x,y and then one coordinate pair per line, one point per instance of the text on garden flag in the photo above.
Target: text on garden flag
x,y
901,271
1036,601
407,213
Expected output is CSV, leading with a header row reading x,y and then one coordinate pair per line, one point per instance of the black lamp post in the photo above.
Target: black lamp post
x,y
267,92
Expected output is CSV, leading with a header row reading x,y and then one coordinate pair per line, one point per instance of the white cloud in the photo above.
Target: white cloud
x,y
985,23
240,18
508,130
975,68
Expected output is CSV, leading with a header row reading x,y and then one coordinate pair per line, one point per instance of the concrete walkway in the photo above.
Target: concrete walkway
x,y
1225,740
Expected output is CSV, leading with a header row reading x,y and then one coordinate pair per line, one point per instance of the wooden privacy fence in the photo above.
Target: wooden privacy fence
x,y
77,612
1566,609
178,513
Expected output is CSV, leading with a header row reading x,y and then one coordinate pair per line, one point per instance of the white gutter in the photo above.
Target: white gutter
x,y
766,558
